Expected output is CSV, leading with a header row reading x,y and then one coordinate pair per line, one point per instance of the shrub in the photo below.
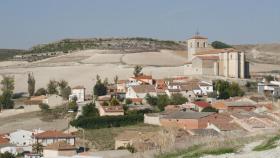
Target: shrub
x,y
41,91
44,107
107,121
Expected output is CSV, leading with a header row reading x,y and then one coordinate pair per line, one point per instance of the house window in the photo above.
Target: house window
x,y
204,44
197,44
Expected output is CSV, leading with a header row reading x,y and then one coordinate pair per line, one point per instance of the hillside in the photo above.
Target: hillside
x,y
262,53
126,44
6,54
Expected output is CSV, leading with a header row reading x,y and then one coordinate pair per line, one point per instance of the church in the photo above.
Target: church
x,y
207,61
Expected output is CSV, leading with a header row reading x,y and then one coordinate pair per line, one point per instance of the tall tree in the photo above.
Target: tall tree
x,y
116,79
52,87
137,70
37,148
8,83
31,84
6,101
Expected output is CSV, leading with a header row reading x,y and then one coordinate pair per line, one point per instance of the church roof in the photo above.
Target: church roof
x,y
198,37
208,57
215,51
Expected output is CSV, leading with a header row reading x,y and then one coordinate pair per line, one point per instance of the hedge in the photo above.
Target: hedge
x,y
107,121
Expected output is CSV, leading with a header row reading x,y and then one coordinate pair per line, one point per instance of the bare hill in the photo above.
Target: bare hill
x,y
262,53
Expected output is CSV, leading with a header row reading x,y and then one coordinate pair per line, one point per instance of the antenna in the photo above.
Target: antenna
x,y
197,32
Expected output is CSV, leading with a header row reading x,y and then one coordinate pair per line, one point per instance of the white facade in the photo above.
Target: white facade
x,y
79,93
152,119
206,88
53,100
21,138
132,94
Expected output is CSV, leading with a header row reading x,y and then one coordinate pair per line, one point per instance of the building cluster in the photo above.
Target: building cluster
x,y
38,142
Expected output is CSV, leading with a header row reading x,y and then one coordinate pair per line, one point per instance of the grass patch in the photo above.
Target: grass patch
x,y
269,144
103,139
59,112
197,151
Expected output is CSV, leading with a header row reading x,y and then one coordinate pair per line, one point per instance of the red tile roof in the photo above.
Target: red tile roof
x,y
143,77
136,100
202,104
53,134
3,140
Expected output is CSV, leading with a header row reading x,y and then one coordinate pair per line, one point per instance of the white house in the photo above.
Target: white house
x,y
23,137
53,100
272,88
139,80
205,87
79,92
140,91
50,137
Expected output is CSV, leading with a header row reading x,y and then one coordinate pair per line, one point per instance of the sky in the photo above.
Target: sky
x,y
25,23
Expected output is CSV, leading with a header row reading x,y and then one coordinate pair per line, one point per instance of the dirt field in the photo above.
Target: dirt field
x,y
29,121
81,67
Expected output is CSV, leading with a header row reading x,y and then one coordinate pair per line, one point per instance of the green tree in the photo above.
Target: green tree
x,y
31,84
220,45
99,88
116,79
114,102
52,87
44,107
90,110
269,78
209,109
8,83
37,148
137,70
178,99
73,106
41,91
235,90
162,101
7,155
151,100
6,101
128,101
65,92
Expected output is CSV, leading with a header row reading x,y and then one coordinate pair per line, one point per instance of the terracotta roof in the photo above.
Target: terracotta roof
x,y
202,104
208,57
226,126
78,87
53,134
3,140
198,37
220,105
113,108
38,98
61,145
143,77
144,88
136,100
215,51
187,115
122,81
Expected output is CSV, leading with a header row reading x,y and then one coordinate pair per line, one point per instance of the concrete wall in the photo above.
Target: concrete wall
x,y
46,142
153,120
